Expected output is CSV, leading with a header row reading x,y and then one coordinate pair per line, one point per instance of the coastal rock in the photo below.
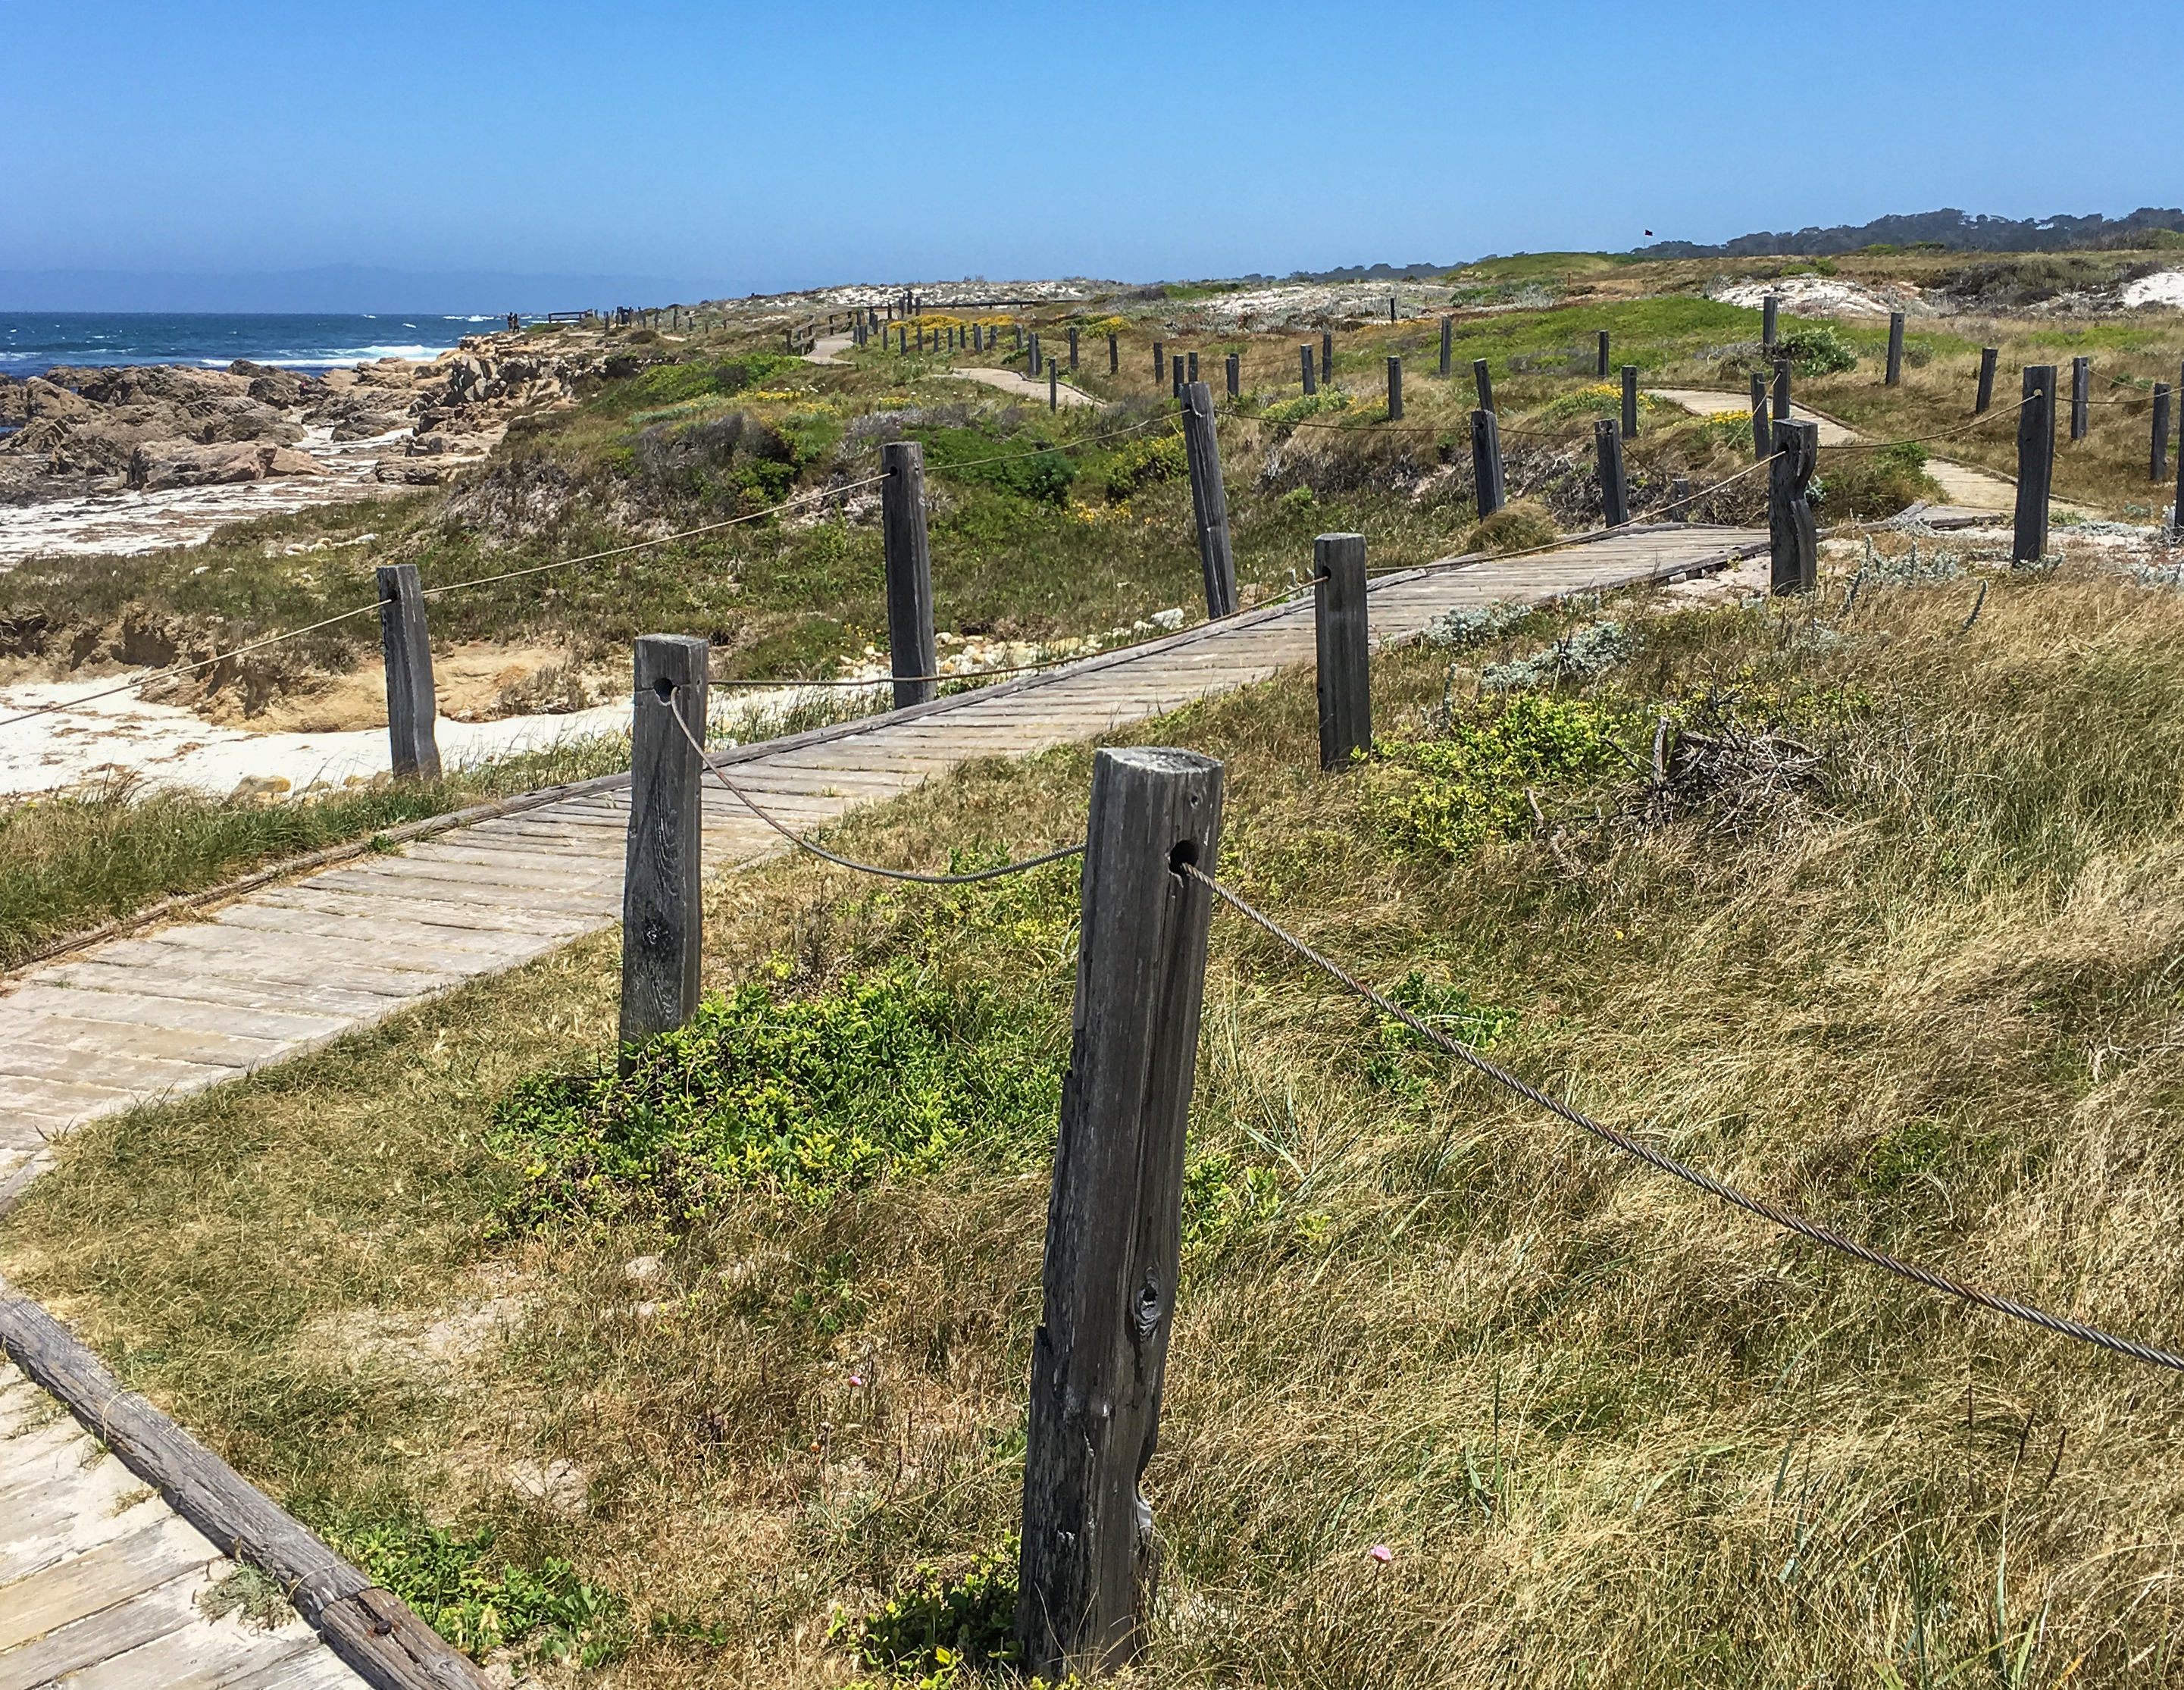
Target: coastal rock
x,y
42,397
411,471
177,463
281,388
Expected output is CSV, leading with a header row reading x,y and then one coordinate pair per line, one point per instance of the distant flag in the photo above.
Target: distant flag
x,y
1649,231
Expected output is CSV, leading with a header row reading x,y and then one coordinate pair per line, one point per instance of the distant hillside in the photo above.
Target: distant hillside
x,y
1949,228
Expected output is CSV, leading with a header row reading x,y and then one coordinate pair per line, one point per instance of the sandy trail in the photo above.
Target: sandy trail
x,y
824,348
1966,487
1023,387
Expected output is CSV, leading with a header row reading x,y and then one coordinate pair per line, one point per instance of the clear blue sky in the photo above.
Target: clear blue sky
x,y
744,146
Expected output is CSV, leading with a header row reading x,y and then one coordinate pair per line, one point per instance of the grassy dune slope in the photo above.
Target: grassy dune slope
x,y
707,1380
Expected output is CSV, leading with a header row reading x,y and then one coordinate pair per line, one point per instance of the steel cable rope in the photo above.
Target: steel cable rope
x,y
178,671
821,852
1665,1164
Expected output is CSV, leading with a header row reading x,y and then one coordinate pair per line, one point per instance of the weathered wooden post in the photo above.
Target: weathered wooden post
x,y
1482,378
1679,497
1033,368
1782,391
1114,355
1209,500
1304,358
2036,463
1763,437
1053,385
2159,461
901,338
903,543
1391,308
1602,371
1160,362
661,909
411,703
1338,623
1193,375
1894,348
2081,395
1175,377
1486,463
1794,543
1016,329
1768,307
2176,510
1631,402
1089,1567
1235,373
1447,344
1614,491
1395,389
1073,346
1327,357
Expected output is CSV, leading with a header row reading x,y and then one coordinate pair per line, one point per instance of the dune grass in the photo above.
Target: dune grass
x,y
1608,1432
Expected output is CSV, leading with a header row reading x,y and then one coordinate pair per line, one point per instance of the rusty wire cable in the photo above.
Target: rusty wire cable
x,y
1663,1162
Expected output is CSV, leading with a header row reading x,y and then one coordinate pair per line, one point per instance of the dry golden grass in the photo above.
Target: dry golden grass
x,y
1611,1432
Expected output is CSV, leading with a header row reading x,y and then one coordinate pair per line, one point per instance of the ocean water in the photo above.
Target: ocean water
x,y
33,342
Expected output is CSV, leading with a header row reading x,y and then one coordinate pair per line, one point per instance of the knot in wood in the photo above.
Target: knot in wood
x,y
1145,1312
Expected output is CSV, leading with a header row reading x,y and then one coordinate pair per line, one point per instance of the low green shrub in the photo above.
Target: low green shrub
x,y
479,1601
1453,794
1142,463
935,1631
806,1097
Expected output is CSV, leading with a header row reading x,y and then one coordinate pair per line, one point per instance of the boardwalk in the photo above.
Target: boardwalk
x,y
98,1578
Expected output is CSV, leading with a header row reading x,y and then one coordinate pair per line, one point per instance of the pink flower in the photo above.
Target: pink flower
x,y
1382,1553
857,1379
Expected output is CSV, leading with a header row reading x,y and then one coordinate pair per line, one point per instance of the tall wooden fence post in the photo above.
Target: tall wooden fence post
x,y
660,908
411,703
1304,361
1631,402
1602,371
1089,1565
1338,623
1447,344
2081,395
1073,346
2036,463
1486,463
1114,355
1235,373
1191,375
1768,307
1782,390
1614,491
1160,362
1482,378
1209,500
1394,390
1053,385
1762,436
910,650
1894,348
2159,461
1793,539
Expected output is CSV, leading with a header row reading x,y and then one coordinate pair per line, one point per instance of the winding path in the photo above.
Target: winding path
x,y
1969,492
